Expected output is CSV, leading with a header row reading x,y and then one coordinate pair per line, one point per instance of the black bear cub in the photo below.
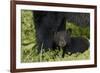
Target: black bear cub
x,y
62,38
78,44
70,44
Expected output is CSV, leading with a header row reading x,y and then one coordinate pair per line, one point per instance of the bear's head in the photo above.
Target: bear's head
x,y
62,38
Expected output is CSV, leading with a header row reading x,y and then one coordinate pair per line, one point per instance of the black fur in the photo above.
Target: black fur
x,y
70,44
77,44
47,23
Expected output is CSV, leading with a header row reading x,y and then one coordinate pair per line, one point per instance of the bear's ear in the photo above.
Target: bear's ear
x,y
69,31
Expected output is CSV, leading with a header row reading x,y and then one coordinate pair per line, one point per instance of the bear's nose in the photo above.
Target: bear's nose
x,y
62,44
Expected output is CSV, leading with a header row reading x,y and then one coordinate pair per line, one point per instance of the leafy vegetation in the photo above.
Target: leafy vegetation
x,y
28,42
79,31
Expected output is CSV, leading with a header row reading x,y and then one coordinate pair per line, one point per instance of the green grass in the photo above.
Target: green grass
x,y
29,48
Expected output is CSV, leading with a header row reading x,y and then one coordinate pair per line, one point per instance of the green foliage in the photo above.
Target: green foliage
x,y
29,47
79,31
27,27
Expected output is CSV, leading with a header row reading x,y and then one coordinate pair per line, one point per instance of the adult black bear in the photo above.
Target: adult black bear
x,y
47,23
